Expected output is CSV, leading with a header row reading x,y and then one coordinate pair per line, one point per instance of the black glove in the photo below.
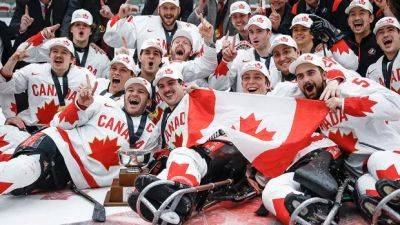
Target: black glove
x,y
324,31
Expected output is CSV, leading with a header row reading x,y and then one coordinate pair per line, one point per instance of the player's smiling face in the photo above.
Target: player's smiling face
x,y
60,58
119,74
136,99
169,13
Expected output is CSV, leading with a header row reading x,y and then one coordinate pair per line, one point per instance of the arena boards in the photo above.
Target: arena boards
x,y
64,207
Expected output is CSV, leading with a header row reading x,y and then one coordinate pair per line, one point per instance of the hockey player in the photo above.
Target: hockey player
x,y
85,55
240,13
356,123
140,28
49,86
255,78
225,159
83,143
226,74
386,70
121,69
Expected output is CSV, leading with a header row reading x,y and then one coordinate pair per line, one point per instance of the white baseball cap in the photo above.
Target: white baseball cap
x,y
365,4
175,2
282,39
261,21
255,65
307,58
153,43
239,7
386,21
302,19
183,33
126,60
64,42
139,80
83,16
169,71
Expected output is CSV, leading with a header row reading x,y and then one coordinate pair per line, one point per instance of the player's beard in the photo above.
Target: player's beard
x,y
169,22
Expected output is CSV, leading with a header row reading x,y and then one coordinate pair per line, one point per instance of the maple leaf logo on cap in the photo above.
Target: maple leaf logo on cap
x,y
390,20
258,65
85,16
308,58
304,18
125,59
362,2
241,6
284,39
66,42
168,71
260,20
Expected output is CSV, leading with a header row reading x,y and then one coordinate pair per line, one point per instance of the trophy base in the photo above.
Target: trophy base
x,y
120,189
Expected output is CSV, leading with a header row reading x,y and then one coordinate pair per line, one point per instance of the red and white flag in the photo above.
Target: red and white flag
x,y
269,131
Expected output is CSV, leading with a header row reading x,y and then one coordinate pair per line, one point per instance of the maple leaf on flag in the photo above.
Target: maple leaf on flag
x,y
249,126
3,142
178,141
390,173
346,142
177,172
13,107
46,113
341,47
105,151
5,157
69,114
358,106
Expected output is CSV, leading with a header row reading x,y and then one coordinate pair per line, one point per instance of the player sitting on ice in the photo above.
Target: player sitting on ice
x,y
82,144
210,162
357,124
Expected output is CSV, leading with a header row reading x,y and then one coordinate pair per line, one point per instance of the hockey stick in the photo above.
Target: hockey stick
x,y
99,212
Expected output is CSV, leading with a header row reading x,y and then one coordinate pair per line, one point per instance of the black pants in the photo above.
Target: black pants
x,y
54,173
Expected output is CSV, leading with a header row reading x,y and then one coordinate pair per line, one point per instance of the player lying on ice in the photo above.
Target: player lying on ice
x,y
357,124
83,142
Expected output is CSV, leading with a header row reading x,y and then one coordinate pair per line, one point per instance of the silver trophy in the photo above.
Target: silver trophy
x,y
135,163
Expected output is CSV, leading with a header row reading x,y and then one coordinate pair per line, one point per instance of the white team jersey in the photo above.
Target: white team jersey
x,y
231,79
200,67
89,140
10,138
375,73
96,62
362,120
41,90
8,105
137,29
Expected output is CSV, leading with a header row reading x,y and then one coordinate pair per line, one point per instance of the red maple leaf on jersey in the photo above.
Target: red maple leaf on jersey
x,y
358,106
249,126
3,142
390,173
346,142
340,47
178,141
4,186
13,107
105,151
69,114
46,113
177,172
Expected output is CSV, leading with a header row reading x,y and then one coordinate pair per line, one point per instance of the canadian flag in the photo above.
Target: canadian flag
x,y
269,131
